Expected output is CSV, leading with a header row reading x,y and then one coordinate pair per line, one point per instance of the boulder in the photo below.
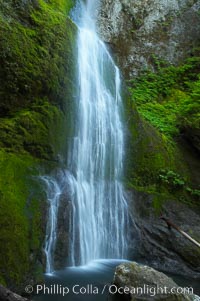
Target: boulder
x,y
141,282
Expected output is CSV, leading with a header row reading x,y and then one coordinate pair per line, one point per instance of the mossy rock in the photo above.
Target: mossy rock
x,y
40,131
36,57
131,277
21,202
37,93
148,151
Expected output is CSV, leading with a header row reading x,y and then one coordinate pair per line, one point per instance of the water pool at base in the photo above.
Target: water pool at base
x,y
92,278
87,283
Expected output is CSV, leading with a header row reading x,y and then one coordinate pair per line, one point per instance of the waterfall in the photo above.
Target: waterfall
x,y
99,218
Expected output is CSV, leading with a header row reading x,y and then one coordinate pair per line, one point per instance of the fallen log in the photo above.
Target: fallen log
x,y
172,225
7,295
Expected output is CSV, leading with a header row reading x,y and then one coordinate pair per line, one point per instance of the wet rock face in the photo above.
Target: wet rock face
x,y
166,249
142,32
63,230
132,276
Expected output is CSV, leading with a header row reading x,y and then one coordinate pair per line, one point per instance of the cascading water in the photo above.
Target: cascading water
x,y
53,191
100,215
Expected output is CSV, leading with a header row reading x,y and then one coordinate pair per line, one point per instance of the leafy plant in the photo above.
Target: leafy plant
x,y
169,99
171,178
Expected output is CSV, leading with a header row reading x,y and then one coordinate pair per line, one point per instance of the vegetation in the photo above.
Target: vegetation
x,y
169,99
168,104
34,131
34,53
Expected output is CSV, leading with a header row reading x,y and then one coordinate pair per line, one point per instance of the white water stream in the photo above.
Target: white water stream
x,y
53,191
100,215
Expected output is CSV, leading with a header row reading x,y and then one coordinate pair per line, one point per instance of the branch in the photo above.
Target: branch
x,y
171,225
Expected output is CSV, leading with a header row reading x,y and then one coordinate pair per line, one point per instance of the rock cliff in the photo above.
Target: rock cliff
x,y
140,32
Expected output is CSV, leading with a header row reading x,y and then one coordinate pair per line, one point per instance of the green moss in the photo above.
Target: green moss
x,y
148,151
2,281
37,50
40,131
62,5
36,57
19,235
